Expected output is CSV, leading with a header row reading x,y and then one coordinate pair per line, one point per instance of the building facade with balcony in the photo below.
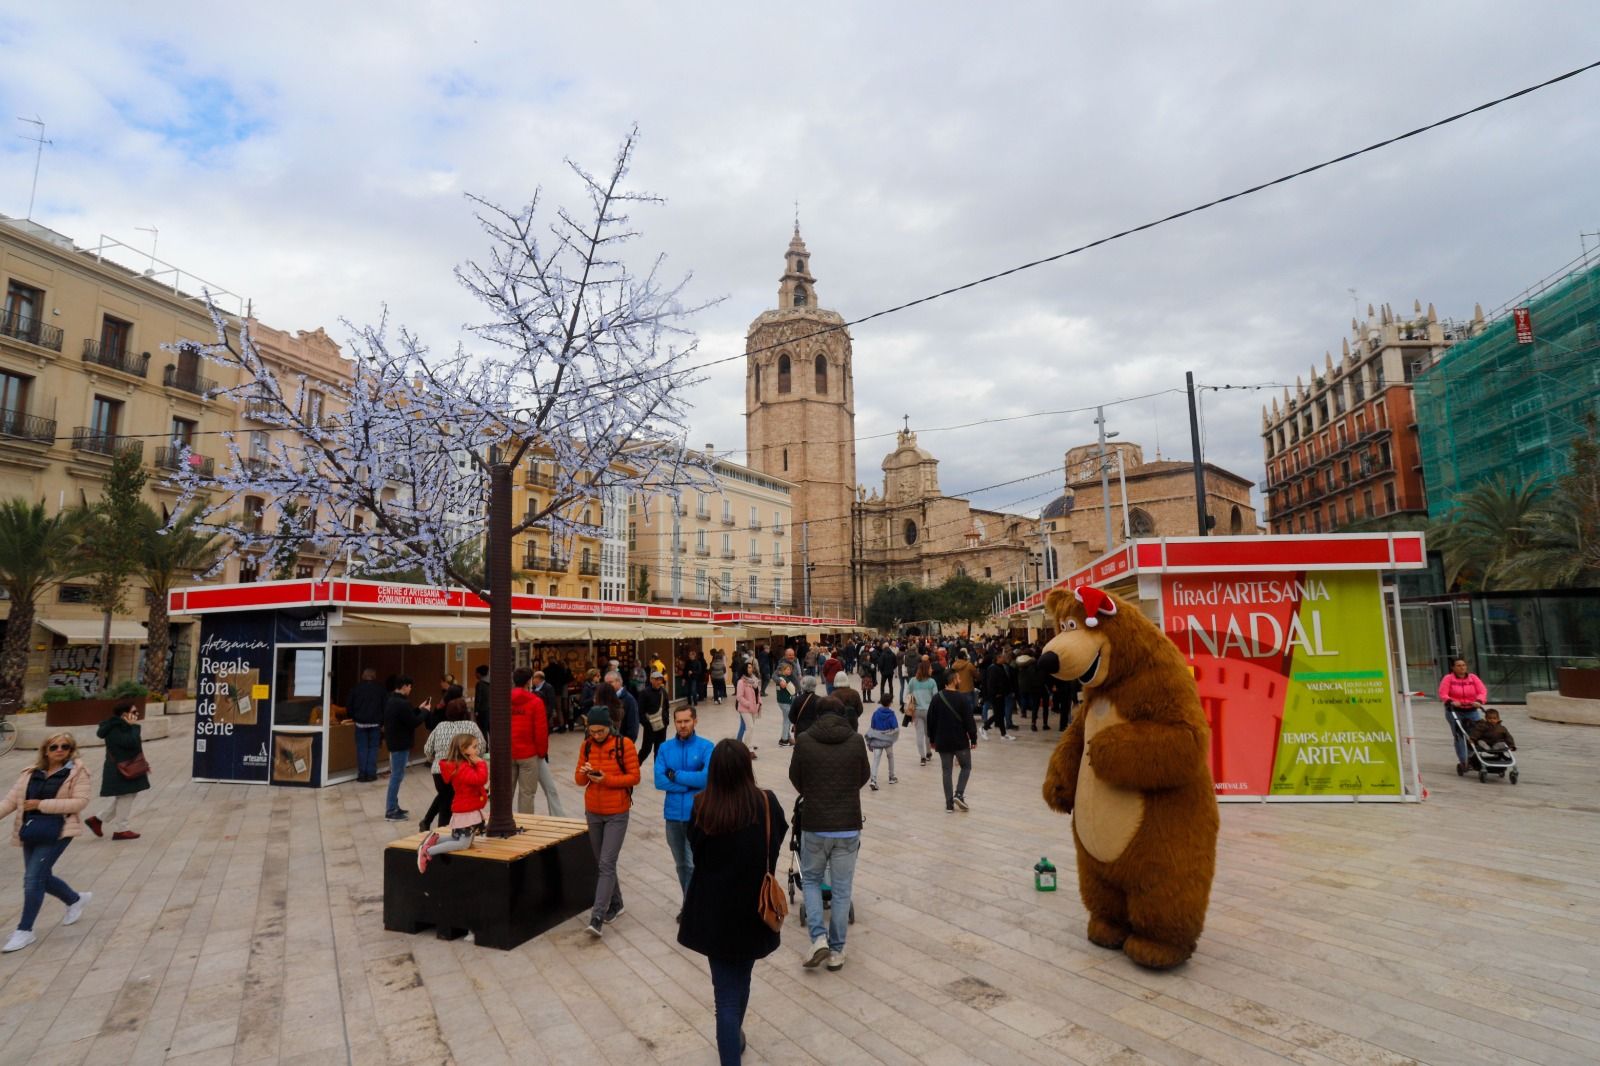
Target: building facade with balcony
x,y
733,547
1342,450
87,371
587,567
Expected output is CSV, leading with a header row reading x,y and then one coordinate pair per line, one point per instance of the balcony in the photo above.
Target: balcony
x,y
95,442
681,547
727,553
123,360
702,550
262,409
755,558
703,513
755,525
589,568
30,331
541,479
777,530
777,560
188,381
547,562
728,519
255,465
20,426
172,459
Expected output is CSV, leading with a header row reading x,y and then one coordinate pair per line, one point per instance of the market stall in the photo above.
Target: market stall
x,y
278,658
1297,652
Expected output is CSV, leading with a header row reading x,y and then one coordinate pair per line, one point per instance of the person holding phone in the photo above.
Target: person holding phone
x,y
400,721
608,771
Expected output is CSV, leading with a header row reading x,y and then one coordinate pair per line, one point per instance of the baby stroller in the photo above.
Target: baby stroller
x,y
1482,756
795,885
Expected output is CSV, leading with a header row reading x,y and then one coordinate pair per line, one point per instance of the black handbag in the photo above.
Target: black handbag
x,y
39,828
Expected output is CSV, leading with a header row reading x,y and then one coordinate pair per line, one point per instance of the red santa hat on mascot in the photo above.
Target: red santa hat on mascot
x,y
1095,604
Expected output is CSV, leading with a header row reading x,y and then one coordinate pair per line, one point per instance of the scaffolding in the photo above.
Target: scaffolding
x,y
1494,407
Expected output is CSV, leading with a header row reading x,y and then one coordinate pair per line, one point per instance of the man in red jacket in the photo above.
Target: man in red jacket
x,y
530,745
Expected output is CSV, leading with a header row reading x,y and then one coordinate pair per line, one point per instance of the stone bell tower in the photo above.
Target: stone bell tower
x,y
800,425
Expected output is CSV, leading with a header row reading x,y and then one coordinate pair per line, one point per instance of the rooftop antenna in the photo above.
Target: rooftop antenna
x,y
38,155
155,239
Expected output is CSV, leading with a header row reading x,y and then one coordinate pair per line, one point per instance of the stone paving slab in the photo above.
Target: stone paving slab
x,y
245,927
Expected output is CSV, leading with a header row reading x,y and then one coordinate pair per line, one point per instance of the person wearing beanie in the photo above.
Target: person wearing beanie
x,y
608,770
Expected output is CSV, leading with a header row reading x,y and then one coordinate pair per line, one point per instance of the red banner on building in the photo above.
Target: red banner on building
x,y
1523,317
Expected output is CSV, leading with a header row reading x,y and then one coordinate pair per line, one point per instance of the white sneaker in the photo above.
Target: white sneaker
x,y
819,951
1008,736
75,911
836,960
21,938
985,734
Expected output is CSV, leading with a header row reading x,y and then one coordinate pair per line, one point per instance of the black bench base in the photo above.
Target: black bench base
x,y
502,903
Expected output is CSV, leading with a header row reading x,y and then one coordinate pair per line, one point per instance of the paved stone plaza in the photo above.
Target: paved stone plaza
x,y
245,927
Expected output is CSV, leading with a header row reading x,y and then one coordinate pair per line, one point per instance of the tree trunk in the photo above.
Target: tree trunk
x,y
14,653
105,654
498,565
160,639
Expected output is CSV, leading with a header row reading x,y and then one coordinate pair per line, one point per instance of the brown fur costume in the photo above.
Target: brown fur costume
x,y
1133,772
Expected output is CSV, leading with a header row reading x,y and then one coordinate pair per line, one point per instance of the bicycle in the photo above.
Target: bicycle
x,y
8,727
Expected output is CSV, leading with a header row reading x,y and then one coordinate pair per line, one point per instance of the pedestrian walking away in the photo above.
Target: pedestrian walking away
x,y
887,662
953,731
365,705
918,697
997,693
694,674
680,772
736,833
719,676
747,701
530,745
480,700
608,771
126,773
467,776
436,749
828,770
626,717
48,800
882,733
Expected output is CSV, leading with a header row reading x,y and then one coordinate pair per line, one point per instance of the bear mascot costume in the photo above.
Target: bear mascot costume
x,y
1133,772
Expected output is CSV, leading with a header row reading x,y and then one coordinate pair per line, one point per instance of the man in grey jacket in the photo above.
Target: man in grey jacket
x,y
828,770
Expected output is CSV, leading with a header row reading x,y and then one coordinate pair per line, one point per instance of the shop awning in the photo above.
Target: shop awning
x,y
536,629
431,628
89,630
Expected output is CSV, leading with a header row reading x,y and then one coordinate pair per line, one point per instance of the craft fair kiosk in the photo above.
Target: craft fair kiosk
x,y
276,659
1297,653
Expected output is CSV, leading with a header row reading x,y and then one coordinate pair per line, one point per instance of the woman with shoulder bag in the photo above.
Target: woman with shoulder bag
x,y
47,798
126,772
736,832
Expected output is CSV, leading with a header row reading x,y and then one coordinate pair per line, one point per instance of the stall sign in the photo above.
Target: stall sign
x,y
232,725
1293,672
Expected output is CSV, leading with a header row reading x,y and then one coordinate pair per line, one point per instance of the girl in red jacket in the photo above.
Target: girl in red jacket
x,y
468,776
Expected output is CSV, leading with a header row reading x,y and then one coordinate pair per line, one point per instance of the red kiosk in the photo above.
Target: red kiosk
x,y
1297,651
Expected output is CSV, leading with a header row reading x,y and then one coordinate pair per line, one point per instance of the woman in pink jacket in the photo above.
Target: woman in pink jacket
x,y
1465,693
48,798
747,701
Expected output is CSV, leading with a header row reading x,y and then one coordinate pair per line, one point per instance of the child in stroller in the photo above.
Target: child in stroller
x,y
1489,745
795,887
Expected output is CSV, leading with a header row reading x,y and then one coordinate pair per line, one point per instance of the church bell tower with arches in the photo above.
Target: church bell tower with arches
x,y
800,425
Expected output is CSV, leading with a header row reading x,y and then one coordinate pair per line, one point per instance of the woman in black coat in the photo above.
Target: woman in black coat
x,y
736,833
124,744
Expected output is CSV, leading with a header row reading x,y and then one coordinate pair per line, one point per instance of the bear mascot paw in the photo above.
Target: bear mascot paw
x,y
1133,772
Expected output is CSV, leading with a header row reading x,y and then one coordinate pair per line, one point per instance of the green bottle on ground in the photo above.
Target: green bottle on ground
x,y
1044,875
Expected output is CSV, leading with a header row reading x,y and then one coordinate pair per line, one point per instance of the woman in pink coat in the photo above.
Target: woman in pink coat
x,y
747,701
1465,694
48,799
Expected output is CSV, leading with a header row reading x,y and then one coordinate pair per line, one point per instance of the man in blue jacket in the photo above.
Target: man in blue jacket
x,y
681,763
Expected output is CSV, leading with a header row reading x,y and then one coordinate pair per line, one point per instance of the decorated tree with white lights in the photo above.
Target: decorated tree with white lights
x,y
409,464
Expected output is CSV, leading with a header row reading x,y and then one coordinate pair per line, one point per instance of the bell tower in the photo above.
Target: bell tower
x,y
800,426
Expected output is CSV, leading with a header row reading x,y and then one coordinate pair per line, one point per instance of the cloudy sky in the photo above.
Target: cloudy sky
x,y
315,160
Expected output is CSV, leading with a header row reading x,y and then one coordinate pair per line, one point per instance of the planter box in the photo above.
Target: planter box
x,y
69,713
1578,684
503,891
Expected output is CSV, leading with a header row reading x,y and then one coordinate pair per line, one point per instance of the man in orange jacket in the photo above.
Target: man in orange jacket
x,y
608,770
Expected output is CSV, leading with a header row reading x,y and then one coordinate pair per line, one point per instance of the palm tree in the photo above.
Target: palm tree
x,y
181,553
36,551
1486,537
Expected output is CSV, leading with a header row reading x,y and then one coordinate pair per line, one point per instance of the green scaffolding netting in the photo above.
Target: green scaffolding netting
x,y
1493,407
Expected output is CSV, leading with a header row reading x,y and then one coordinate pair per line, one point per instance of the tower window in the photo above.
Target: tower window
x,y
786,460
799,295
822,375
800,266
783,374
758,382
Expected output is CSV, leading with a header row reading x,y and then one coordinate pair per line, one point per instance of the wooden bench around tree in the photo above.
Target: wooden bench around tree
x,y
503,890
